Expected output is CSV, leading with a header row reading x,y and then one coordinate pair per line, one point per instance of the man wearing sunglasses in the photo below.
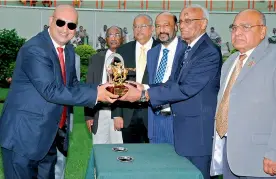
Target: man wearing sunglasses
x,y
43,89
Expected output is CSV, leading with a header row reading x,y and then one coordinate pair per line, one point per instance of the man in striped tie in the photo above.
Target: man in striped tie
x,y
160,61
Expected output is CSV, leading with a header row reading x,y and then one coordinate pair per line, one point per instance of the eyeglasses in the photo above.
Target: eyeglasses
x,y
143,26
189,21
70,25
244,27
114,35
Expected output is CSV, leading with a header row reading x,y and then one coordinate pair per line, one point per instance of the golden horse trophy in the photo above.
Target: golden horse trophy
x,y
117,74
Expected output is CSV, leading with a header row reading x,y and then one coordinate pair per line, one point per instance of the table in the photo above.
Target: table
x,y
151,161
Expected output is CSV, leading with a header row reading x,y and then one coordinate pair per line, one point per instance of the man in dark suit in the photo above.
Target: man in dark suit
x,y
98,119
159,65
131,118
191,90
43,89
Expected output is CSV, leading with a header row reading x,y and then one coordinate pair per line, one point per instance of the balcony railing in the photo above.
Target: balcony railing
x,y
211,5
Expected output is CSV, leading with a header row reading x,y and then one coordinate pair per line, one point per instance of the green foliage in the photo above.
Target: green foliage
x,y
233,51
83,72
85,52
10,43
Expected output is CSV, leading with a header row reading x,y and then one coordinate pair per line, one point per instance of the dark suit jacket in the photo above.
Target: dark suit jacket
x,y
94,76
33,107
126,109
152,63
192,93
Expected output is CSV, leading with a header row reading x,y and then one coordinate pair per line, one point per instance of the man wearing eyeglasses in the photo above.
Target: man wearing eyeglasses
x,y
98,119
44,87
160,61
191,90
245,130
132,118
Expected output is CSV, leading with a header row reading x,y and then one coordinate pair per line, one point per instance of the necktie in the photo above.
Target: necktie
x,y
182,61
162,67
141,64
63,72
222,113
186,53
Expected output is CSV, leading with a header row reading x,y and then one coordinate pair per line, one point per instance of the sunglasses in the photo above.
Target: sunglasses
x,y
70,25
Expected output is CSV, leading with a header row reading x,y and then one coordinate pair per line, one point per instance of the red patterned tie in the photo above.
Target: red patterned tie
x,y
62,65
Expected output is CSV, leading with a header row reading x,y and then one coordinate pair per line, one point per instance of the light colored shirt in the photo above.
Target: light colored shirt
x,y
213,35
195,41
147,46
172,49
248,53
56,46
105,113
104,78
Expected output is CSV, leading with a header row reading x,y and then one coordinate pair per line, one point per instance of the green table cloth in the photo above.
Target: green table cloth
x,y
151,161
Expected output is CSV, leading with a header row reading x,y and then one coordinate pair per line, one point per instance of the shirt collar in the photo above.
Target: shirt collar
x,y
195,41
146,45
248,53
172,46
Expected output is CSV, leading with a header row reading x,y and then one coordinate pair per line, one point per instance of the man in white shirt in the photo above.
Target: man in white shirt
x,y
245,128
160,60
98,120
191,90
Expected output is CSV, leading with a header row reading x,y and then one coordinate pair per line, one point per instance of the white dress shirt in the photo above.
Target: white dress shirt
x,y
105,132
56,46
195,41
172,49
218,147
147,46
105,113
248,53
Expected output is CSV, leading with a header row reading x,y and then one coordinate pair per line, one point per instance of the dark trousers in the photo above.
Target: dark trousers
x,y
20,167
162,130
227,173
203,163
136,132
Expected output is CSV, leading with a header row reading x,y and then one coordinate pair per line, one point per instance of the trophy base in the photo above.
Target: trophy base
x,y
119,90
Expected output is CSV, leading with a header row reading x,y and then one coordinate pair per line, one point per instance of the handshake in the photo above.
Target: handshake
x,y
133,92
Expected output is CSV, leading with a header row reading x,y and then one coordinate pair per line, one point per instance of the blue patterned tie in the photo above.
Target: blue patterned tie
x,y
187,52
162,67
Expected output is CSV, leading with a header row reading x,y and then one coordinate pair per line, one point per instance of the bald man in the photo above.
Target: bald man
x,y
34,120
245,131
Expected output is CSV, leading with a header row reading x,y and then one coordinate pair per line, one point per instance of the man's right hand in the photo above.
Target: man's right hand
x,y
118,123
89,124
104,95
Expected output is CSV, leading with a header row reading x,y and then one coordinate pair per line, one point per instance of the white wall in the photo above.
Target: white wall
x,y
29,21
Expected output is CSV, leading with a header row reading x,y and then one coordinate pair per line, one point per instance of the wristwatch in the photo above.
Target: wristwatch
x,y
143,97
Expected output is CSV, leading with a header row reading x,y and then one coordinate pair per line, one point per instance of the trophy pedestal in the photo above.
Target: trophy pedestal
x,y
119,90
